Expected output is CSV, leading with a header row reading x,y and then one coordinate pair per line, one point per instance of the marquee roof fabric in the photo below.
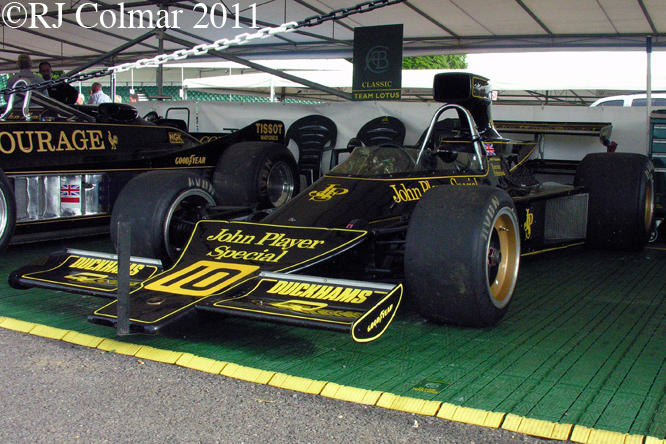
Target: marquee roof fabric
x,y
113,31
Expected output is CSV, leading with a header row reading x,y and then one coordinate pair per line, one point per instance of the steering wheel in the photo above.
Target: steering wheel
x,y
152,116
390,144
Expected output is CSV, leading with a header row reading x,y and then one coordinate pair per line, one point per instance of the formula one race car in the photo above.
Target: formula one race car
x,y
62,167
448,219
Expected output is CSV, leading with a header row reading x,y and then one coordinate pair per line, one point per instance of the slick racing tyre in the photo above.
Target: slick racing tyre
x,y
462,255
7,212
162,208
260,173
621,199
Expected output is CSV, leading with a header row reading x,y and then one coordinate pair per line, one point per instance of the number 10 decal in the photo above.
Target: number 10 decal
x,y
201,279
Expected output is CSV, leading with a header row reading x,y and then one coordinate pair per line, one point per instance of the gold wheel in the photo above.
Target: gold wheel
x,y
503,257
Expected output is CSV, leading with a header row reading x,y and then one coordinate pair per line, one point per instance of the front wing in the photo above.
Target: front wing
x,y
236,268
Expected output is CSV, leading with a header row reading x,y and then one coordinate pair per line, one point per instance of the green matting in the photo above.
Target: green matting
x,y
583,344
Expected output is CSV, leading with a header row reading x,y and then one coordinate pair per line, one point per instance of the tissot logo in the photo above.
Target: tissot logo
x,y
328,193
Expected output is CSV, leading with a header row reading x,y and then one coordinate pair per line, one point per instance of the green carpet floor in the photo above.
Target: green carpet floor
x,y
581,354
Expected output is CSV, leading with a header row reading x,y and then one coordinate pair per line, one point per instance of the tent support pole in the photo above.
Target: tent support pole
x,y
258,67
648,102
110,54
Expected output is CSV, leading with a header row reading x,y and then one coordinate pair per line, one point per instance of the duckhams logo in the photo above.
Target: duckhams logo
x,y
327,194
318,291
89,15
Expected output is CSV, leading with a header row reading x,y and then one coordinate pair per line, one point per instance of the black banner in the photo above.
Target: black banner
x,y
377,63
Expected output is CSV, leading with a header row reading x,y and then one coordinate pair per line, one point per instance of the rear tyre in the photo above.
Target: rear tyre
x,y
261,173
7,212
462,255
621,199
162,208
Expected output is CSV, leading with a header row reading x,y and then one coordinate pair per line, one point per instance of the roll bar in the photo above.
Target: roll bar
x,y
45,101
474,132
26,101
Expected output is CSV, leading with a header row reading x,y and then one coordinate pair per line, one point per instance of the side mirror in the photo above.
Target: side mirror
x,y
605,135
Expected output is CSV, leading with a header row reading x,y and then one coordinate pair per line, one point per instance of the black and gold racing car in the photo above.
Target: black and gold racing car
x,y
62,167
444,222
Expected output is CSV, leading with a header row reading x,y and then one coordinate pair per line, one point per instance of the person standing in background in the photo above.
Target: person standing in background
x,y
24,64
97,96
63,92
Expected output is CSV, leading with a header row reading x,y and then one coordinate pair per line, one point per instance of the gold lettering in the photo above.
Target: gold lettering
x,y
11,140
404,194
44,138
82,138
20,140
96,142
317,291
63,140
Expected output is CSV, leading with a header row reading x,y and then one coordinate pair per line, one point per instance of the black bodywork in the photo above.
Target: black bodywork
x,y
99,149
333,257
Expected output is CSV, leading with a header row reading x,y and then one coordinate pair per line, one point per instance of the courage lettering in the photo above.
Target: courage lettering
x,y
43,141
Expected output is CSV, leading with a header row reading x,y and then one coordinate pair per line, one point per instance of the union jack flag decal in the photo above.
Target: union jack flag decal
x,y
490,149
70,193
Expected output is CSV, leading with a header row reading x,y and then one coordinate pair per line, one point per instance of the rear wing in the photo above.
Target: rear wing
x,y
539,130
596,129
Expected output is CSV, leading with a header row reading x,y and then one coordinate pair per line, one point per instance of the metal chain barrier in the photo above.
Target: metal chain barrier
x,y
218,45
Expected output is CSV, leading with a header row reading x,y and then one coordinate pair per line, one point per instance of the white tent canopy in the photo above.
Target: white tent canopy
x,y
81,32
508,72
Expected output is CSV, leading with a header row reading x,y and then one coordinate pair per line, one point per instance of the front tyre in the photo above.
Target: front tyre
x,y
7,212
462,255
261,173
162,208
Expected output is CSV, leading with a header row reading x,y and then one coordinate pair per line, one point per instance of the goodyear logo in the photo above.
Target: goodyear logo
x,y
191,160
378,320
322,292
176,138
327,194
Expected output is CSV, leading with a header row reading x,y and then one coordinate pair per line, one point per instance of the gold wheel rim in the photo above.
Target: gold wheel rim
x,y
505,227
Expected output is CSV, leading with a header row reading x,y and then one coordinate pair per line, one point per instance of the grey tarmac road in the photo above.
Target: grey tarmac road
x,y
56,392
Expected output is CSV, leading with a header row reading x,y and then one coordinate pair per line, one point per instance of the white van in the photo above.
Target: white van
x,y
658,99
